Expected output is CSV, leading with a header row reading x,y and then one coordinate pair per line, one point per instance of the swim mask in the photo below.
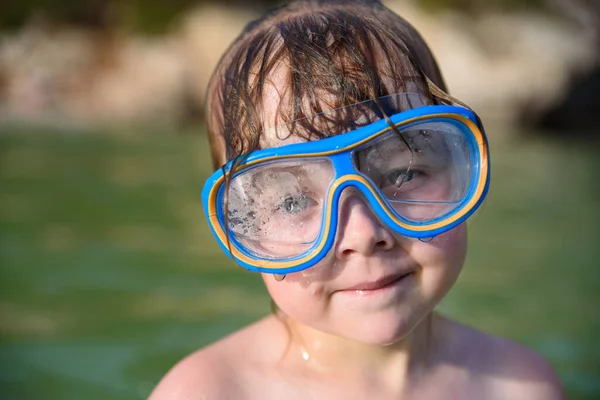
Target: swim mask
x,y
422,171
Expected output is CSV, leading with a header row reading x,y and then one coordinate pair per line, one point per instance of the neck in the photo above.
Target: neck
x,y
389,365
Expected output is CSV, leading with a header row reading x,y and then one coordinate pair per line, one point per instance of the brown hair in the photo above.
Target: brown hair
x,y
333,53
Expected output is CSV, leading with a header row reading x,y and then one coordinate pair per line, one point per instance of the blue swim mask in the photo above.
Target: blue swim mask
x,y
422,171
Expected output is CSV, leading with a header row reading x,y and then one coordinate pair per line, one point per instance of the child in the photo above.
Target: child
x,y
345,174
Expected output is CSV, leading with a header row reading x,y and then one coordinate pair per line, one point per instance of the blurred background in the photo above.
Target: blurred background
x,y
108,272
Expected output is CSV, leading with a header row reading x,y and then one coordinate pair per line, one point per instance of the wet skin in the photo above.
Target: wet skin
x,y
360,324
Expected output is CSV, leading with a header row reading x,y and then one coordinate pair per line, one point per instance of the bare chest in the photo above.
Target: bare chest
x,y
444,386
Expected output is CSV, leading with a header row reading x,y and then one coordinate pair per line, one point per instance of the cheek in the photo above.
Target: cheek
x,y
298,297
442,259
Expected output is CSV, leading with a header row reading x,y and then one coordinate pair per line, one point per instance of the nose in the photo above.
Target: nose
x,y
359,231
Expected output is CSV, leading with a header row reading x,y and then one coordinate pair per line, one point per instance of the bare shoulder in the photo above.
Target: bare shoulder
x,y
198,376
504,369
221,370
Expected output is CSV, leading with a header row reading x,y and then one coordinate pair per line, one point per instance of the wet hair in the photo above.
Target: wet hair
x,y
318,55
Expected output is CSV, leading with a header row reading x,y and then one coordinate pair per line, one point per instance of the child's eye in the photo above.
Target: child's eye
x,y
295,204
398,177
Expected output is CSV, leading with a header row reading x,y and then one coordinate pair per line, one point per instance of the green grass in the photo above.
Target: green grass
x,y
109,273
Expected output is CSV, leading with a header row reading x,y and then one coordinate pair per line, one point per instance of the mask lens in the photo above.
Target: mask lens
x,y
275,209
424,172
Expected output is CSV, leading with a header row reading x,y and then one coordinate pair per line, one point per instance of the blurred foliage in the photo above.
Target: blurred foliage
x,y
156,16
478,6
153,16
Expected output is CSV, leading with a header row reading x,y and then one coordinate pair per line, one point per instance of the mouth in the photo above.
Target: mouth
x,y
380,285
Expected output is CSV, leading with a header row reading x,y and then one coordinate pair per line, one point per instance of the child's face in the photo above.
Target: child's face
x,y
328,296
375,286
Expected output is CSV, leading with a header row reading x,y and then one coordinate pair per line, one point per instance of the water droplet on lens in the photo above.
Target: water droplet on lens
x,y
236,221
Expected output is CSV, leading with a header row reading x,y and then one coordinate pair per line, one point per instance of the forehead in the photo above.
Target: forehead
x,y
277,92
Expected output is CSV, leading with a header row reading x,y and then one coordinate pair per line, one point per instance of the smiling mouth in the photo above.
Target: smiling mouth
x,y
378,285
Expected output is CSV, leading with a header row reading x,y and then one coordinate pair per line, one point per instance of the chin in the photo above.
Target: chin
x,y
382,330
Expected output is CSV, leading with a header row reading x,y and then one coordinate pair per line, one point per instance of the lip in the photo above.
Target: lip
x,y
380,284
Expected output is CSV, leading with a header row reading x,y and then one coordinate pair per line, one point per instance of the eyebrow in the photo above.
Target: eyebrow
x,y
303,169
292,169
